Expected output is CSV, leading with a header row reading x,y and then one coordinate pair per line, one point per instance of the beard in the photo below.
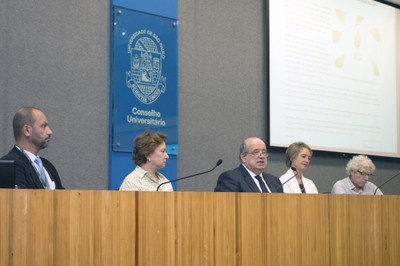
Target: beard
x,y
40,143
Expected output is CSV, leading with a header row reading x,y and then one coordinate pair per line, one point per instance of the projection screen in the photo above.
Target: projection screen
x,y
334,76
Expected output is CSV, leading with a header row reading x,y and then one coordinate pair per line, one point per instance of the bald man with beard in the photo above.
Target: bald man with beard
x,y
32,134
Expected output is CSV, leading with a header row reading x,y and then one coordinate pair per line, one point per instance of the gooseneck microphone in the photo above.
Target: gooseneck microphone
x,y
386,182
170,181
294,170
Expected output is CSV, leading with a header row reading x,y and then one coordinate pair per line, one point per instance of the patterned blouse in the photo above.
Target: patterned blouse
x,y
139,180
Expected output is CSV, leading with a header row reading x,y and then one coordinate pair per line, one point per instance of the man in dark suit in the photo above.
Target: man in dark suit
x,y
250,175
32,133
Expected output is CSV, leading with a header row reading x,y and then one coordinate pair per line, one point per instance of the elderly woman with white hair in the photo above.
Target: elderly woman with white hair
x,y
359,169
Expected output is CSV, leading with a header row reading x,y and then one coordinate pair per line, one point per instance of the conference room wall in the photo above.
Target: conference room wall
x,y
223,98
55,55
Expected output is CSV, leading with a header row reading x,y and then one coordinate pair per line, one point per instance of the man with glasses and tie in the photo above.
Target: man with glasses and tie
x,y
250,175
32,133
359,169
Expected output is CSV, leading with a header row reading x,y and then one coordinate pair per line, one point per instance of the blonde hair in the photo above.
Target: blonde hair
x,y
293,150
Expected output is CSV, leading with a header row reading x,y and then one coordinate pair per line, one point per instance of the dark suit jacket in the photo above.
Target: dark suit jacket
x,y
25,173
239,180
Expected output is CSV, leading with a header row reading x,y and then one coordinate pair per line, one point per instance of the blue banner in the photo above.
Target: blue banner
x,y
144,77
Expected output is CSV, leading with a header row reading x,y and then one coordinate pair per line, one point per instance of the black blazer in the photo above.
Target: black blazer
x,y
239,180
25,173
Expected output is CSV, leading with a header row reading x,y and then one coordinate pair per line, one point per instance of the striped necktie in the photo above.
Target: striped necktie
x,y
42,175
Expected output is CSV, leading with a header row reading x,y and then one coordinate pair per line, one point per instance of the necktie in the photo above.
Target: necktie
x,y
261,182
42,175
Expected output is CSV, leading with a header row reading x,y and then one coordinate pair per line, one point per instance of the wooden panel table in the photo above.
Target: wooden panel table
x,y
85,227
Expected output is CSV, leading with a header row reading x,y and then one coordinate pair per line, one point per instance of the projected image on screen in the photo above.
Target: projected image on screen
x,y
334,75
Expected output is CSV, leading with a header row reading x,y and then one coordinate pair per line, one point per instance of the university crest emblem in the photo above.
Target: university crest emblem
x,y
145,76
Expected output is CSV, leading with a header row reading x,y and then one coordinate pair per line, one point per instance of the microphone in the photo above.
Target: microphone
x,y
294,170
170,181
385,182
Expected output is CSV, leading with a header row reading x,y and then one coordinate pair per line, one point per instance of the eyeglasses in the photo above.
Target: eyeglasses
x,y
364,174
258,152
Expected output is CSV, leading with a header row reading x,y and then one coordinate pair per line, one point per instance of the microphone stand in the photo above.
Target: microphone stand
x,y
386,182
170,181
294,170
